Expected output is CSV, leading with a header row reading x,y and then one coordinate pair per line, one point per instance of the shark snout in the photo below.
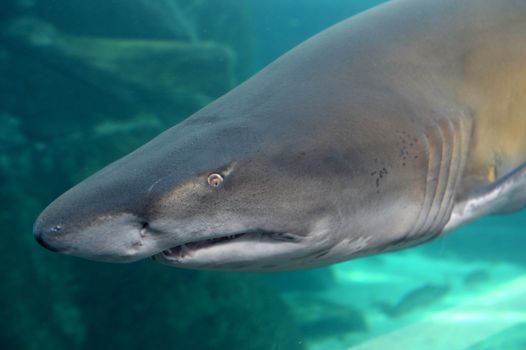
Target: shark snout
x,y
112,237
48,236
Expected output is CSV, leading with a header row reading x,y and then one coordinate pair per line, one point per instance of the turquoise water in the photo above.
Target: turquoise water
x,y
83,83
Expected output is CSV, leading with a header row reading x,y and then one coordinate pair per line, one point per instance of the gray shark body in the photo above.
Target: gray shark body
x,y
379,133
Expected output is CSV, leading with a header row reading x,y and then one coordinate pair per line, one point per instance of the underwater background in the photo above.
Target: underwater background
x,y
82,83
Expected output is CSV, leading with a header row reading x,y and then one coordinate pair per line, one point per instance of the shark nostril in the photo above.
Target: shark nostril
x,y
144,228
40,236
55,229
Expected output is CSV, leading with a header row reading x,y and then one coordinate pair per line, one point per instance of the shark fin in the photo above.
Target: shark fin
x,y
506,194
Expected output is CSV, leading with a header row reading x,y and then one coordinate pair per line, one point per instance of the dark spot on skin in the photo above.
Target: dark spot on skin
x,y
379,175
322,254
407,142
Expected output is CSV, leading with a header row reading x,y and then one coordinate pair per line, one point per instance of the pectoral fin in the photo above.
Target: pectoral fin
x,y
507,194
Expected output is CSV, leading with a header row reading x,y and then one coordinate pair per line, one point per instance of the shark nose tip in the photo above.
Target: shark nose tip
x,y
43,235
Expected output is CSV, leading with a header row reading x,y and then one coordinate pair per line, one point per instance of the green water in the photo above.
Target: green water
x,y
84,82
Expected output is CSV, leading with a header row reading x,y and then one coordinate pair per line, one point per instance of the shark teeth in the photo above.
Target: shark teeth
x,y
184,250
178,252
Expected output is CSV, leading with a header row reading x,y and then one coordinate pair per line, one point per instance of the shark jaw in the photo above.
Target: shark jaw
x,y
255,250
252,250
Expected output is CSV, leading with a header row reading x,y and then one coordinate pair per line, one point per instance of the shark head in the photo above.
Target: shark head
x,y
211,193
281,173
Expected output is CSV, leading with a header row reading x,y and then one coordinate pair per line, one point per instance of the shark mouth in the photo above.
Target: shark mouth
x,y
181,251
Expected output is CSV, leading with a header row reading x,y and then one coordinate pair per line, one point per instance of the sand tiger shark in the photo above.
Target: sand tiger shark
x,y
382,132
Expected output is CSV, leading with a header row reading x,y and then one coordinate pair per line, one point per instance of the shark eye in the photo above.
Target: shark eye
x,y
215,180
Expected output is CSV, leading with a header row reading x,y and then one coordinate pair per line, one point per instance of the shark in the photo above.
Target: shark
x,y
384,131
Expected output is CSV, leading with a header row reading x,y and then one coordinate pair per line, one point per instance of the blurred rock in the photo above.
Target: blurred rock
x,y
320,318
314,280
147,307
417,299
111,77
151,64
226,22
477,278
